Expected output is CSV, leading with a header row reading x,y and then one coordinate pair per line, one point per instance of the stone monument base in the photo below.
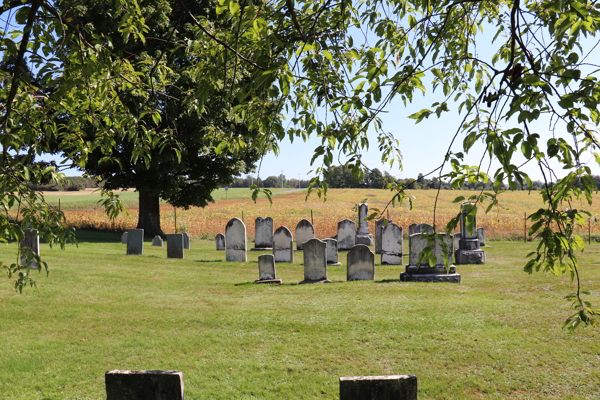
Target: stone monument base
x,y
337,263
273,281
469,256
364,239
319,281
452,278
261,249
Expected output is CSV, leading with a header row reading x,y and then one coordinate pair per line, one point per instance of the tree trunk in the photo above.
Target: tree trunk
x,y
149,219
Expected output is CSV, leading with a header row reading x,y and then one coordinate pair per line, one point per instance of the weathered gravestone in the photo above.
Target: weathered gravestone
x,y
135,242
30,243
157,241
332,253
144,385
421,272
391,387
186,241
468,251
283,249
419,228
304,232
361,263
481,236
175,245
379,225
263,232
220,240
363,236
392,245
315,261
346,234
236,241
124,238
266,269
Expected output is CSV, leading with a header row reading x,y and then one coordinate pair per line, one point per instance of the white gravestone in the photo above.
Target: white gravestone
x,y
481,236
304,232
236,241
283,249
266,269
263,230
124,238
315,261
135,242
346,234
31,242
422,272
157,241
332,253
175,245
392,243
361,263
469,251
363,236
379,225
220,240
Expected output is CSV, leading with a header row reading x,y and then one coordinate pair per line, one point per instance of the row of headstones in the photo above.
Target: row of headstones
x,y
176,243
161,385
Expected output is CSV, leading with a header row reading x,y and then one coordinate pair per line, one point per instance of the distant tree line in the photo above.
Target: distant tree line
x,y
71,183
269,182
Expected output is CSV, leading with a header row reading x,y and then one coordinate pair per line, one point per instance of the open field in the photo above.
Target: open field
x,y
289,208
497,335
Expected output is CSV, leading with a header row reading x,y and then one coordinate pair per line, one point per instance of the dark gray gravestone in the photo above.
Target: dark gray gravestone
x,y
468,251
30,243
266,269
421,272
346,234
135,242
315,261
392,387
304,232
481,236
124,238
186,241
175,245
220,240
332,253
143,385
361,264
263,229
283,249
157,241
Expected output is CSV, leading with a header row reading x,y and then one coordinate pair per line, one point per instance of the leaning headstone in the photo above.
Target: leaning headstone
x,y
346,234
124,238
332,253
186,241
379,225
304,232
481,236
266,269
283,249
263,229
391,387
31,241
157,241
236,241
135,242
392,245
468,251
315,261
363,236
220,240
361,263
144,385
175,245
421,272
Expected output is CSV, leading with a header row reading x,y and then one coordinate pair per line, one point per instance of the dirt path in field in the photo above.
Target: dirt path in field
x,y
75,192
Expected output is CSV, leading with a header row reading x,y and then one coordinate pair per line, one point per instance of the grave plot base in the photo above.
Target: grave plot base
x,y
261,249
319,281
469,257
271,281
424,270
452,278
337,263
364,239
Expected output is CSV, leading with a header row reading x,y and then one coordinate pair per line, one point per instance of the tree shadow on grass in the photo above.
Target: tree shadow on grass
x,y
208,261
388,280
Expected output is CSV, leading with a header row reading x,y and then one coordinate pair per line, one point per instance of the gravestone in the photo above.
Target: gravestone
x,y
417,272
379,225
31,241
363,236
315,261
186,241
135,242
419,228
468,251
157,241
392,245
346,235
236,241
124,238
361,263
411,229
283,248
391,387
263,229
175,245
220,240
332,253
304,232
143,385
456,240
481,236
266,269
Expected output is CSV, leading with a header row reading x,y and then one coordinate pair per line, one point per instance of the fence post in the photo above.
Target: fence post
x,y
175,212
525,227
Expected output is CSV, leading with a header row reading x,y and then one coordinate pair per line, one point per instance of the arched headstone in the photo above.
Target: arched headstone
x,y
361,263
157,241
304,232
315,261
236,241
220,241
283,249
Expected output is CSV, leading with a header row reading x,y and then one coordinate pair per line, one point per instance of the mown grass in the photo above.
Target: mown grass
x,y
497,335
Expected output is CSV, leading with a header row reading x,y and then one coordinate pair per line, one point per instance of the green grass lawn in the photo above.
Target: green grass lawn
x,y
497,335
